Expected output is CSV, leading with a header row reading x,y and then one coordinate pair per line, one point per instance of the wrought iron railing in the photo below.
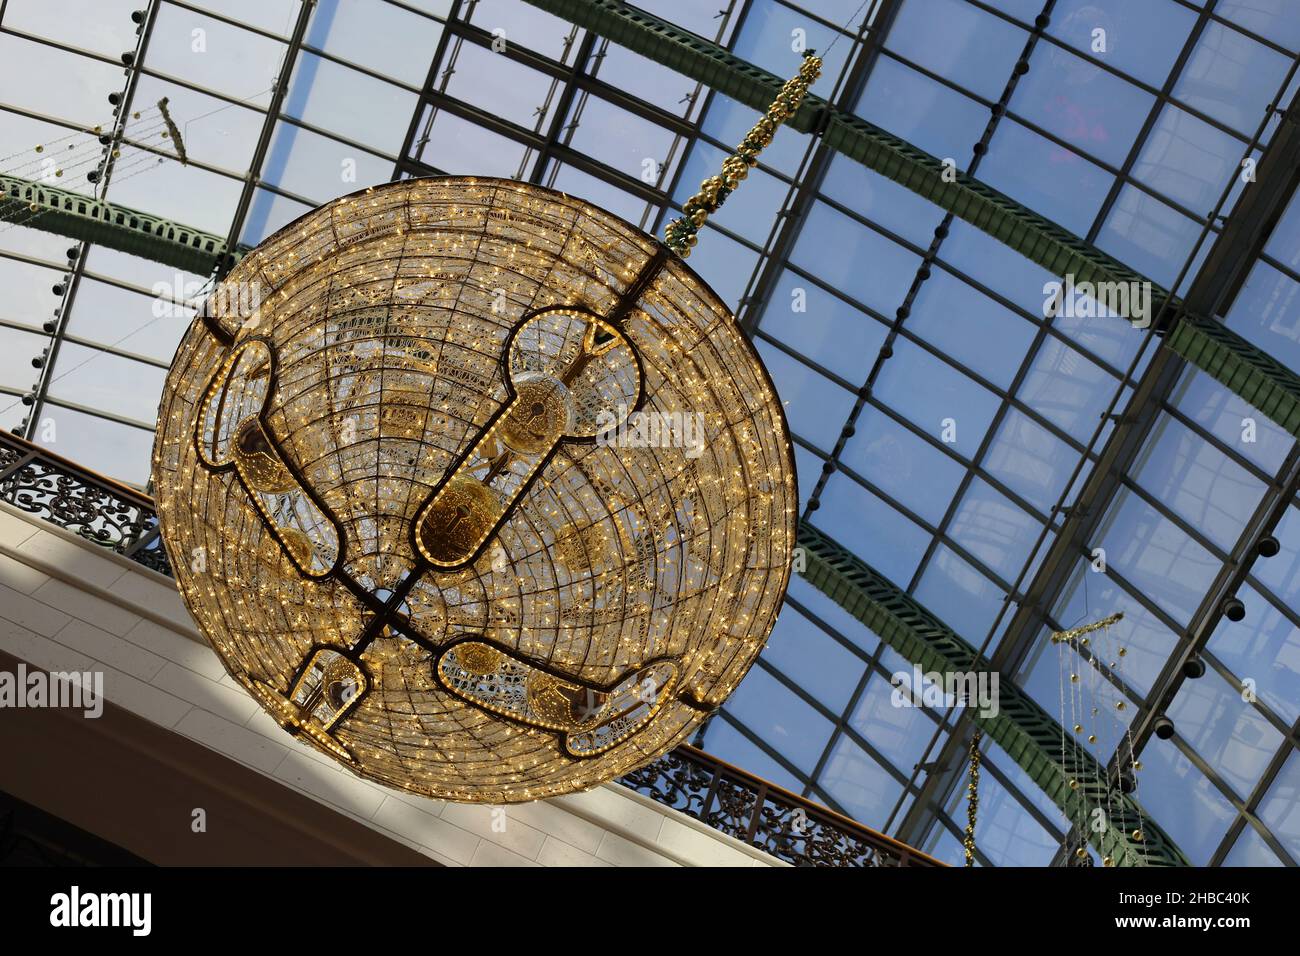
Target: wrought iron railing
x,y
783,824
96,508
761,814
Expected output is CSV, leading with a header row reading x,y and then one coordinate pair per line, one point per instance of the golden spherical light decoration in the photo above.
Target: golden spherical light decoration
x,y
476,487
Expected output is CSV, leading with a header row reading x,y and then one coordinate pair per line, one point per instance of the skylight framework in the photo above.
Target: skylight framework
x,y
870,367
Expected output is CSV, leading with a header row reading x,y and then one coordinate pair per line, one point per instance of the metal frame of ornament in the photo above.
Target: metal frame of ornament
x,y
385,613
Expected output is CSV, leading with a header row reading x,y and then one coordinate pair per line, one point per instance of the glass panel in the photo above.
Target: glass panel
x,y
822,327
1263,648
1232,736
1232,420
274,16
1030,460
1005,832
459,147
936,397
1157,557
990,527
267,213
1051,180
17,349
214,55
28,296
1141,39
833,247
1189,160
218,133
1094,111
765,39
1067,389
727,743
1197,482
352,104
859,784
832,613
881,200
501,86
107,315
1231,77
107,382
118,451
378,35
319,168
922,111
962,597
1183,801
1280,808
959,42
902,465
1149,236
83,102
622,140
575,182
1251,850
815,406
1267,313
813,659
784,721
871,529
522,24
970,327
101,26
888,718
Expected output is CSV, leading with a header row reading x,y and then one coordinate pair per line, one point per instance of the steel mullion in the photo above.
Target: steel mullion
x,y
283,79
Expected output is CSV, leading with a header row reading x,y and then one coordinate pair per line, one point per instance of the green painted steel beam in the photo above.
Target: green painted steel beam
x,y
1050,757
1250,373
1033,236
86,219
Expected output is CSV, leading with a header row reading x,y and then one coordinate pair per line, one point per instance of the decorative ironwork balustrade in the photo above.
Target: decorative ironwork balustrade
x,y
739,804
98,509
783,824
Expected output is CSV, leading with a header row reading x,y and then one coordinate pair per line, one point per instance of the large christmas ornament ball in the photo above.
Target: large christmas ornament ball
x,y
475,487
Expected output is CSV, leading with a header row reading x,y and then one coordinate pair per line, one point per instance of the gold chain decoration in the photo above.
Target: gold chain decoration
x,y
680,234
972,798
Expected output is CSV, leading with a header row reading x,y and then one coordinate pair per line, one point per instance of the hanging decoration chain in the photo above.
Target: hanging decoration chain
x,y
681,234
972,798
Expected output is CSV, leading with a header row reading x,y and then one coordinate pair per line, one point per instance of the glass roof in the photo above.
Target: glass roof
x,y
943,417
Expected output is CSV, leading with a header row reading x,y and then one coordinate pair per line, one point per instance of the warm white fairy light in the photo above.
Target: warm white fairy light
x,y
387,313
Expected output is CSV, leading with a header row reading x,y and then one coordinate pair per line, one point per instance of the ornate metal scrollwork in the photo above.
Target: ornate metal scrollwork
x,y
81,502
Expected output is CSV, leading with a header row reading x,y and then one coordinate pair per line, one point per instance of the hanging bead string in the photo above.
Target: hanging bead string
x,y
1077,638
1130,752
680,235
972,798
